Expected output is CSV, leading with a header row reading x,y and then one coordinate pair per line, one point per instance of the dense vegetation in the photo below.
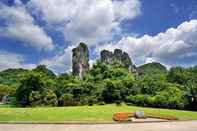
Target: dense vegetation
x,y
152,68
103,84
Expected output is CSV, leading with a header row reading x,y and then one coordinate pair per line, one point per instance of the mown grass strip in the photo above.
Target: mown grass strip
x,y
82,114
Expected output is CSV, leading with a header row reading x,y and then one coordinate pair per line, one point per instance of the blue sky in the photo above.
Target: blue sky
x,y
36,32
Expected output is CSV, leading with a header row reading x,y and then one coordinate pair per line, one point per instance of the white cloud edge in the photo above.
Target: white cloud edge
x,y
13,60
21,25
170,48
90,21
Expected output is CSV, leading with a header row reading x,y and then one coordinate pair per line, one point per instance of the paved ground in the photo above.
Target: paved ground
x,y
163,126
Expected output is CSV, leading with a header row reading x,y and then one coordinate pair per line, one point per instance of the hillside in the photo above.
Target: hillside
x,y
12,77
152,68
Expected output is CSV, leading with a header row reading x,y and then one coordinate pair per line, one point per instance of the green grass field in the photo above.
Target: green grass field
x,y
81,114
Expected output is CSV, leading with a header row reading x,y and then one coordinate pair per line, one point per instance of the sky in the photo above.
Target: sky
x,y
34,32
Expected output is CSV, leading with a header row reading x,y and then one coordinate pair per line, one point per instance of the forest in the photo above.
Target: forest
x,y
103,84
152,86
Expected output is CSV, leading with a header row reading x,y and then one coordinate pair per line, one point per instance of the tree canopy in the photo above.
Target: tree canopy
x,y
104,83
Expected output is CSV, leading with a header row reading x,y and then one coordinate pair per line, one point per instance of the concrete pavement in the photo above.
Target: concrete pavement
x,y
159,126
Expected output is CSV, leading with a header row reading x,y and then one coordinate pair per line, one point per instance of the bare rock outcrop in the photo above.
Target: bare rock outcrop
x,y
118,55
80,60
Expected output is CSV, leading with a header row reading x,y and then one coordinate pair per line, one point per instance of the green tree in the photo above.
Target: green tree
x,y
42,69
6,90
178,75
12,77
111,93
50,98
32,82
35,98
67,99
191,94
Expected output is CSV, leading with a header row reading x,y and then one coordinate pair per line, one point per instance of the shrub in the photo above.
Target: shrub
x,y
140,99
129,104
50,98
90,102
118,103
112,92
67,100
35,98
161,101
151,101
101,103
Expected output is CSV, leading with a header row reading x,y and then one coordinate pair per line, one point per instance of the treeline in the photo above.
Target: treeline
x,y
154,86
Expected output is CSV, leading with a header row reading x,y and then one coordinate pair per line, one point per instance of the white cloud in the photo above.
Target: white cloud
x,y
61,62
89,21
54,11
19,24
127,9
176,46
95,21
12,60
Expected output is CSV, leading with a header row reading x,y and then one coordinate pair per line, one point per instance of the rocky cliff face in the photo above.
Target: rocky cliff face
x,y
118,55
107,56
80,60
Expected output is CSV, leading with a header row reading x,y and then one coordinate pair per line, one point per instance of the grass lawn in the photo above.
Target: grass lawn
x,y
81,114
5,105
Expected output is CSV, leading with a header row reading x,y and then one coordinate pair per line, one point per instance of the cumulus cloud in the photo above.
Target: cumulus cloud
x,y
127,9
176,46
61,62
19,24
12,60
89,21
